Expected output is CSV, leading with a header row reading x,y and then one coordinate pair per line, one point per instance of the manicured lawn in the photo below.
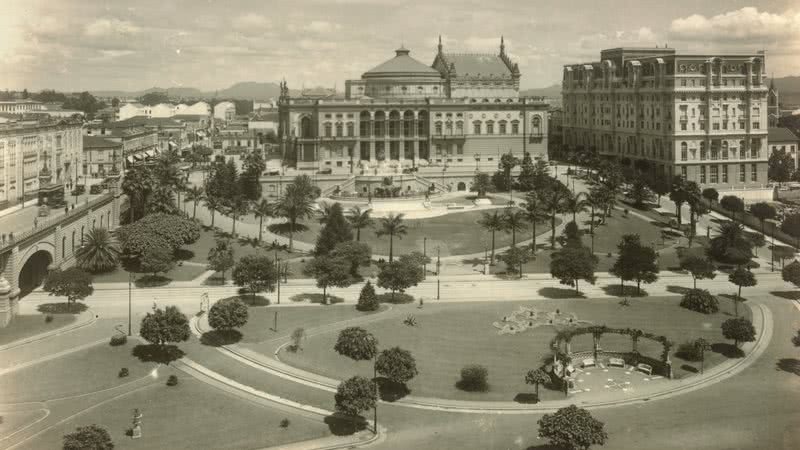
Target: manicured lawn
x,y
198,251
85,371
23,326
184,272
190,415
454,234
449,337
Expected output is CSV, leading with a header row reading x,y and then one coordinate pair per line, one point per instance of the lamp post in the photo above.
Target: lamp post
x,y
130,295
477,159
438,271
425,258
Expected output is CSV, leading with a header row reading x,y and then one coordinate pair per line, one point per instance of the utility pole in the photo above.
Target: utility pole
x,y
425,259
438,272
130,293
278,267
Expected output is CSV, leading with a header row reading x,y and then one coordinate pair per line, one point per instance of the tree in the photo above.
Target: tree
x,y
555,201
163,326
356,343
392,226
739,330
780,166
92,437
355,254
571,264
732,204
700,300
195,194
700,268
99,251
576,203
336,230
355,395
213,204
263,209
85,102
513,221
507,163
492,222
537,377
791,273
257,273
156,259
138,184
481,183
237,207
227,314
571,236
696,207
399,276
762,211
154,98
731,245
640,192
220,257
295,205
359,219
115,102
73,283
515,258
741,277
158,230
572,428
367,300
533,212
660,188
791,226
249,183
397,365
635,261
678,195
474,378
710,194
329,272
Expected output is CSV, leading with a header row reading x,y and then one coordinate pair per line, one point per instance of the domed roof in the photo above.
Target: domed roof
x,y
402,66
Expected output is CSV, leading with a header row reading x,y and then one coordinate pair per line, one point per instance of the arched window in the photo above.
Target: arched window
x,y
503,127
380,121
422,123
489,127
305,127
536,126
364,124
437,127
724,149
459,127
702,150
684,151
339,129
328,129
514,127
350,129
408,123
448,127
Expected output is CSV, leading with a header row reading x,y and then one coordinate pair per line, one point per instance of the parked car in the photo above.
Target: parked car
x,y
95,189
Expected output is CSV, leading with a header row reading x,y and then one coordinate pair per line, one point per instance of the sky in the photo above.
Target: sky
x,y
75,45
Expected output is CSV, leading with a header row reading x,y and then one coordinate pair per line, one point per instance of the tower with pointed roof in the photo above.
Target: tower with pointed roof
x,y
773,104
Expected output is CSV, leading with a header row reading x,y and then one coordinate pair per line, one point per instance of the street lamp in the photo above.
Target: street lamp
x,y
425,257
131,279
477,159
438,270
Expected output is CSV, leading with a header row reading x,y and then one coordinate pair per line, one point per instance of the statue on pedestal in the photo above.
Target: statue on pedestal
x,y
136,431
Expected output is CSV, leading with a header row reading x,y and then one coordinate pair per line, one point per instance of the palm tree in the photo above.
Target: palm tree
x,y
576,203
194,195
138,184
263,209
237,208
359,219
392,226
324,212
213,204
99,251
295,205
534,212
554,201
492,222
679,196
513,221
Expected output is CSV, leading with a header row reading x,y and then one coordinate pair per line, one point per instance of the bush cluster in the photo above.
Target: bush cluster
x,y
474,378
123,372
119,339
700,300
689,351
172,380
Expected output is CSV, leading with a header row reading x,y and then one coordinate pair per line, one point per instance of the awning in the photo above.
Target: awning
x,y
150,153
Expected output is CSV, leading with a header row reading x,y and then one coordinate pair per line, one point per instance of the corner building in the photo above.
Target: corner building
x,y
463,110
703,117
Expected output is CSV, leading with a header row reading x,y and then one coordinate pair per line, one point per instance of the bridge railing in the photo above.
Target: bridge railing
x,y
45,226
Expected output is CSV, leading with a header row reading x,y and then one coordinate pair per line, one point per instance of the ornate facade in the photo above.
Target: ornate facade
x,y
462,110
703,117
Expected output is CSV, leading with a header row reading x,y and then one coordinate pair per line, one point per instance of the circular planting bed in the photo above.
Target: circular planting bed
x,y
447,337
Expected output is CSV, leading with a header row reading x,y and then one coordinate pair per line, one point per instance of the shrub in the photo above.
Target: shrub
x,y
48,318
285,423
688,351
172,380
123,372
119,339
367,300
700,300
297,338
474,378
227,314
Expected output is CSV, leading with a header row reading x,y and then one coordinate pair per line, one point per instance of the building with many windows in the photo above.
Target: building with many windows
x,y
28,147
703,117
461,112
782,139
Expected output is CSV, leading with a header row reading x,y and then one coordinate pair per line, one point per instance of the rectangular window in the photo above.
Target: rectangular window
x,y
683,126
702,174
684,154
742,173
714,174
683,172
725,173
716,125
514,127
742,153
753,172
476,128
756,125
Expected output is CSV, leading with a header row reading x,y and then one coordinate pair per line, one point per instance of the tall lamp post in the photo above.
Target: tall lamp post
x,y
438,271
425,258
477,159
130,295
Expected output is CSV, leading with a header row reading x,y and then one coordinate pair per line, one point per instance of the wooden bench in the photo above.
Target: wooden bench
x,y
645,368
616,362
588,362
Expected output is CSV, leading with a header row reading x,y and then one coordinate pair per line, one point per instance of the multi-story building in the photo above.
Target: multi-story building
x,y
27,147
21,106
703,117
224,111
138,143
782,139
462,111
101,156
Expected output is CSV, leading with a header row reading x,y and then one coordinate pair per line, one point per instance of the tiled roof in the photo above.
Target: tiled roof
x,y
781,135
402,65
483,65
99,142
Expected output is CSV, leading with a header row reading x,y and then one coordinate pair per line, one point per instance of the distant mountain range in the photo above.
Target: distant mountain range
x,y
249,90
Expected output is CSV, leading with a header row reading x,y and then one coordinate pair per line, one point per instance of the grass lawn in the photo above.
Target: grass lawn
x,y
198,251
449,337
23,326
454,234
183,272
85,371
190,415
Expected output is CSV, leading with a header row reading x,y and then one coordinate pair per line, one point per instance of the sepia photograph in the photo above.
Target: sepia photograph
x,y
399,225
